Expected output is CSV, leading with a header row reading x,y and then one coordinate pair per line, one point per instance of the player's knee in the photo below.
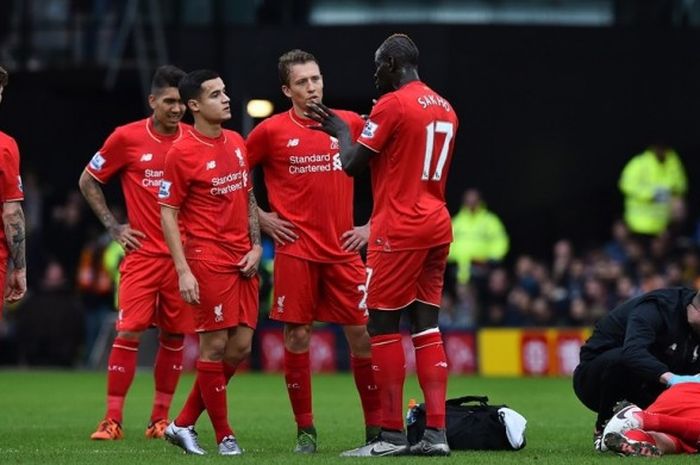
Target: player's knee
x,y
297,337
212,348
381,322
237,353
167,335
358,340
130,335
423,318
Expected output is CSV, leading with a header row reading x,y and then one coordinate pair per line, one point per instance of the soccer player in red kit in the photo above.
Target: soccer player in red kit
x,y
407,141
148,292
670,425
12,233
318,273
206,187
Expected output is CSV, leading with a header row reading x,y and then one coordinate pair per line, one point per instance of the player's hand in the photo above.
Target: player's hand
x,y
678,379
16,285
250,261
281,231
189,288
328,120
127,237
356,238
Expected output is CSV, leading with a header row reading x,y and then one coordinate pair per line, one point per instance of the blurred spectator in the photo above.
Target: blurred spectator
x,y
653,184
95,288
479,238
64,235
50,323
615,248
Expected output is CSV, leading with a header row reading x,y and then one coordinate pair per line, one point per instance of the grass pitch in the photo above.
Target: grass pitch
x,y
46,417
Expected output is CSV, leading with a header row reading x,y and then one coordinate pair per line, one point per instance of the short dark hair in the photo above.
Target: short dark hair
x,y
401,48
292,57
190,86
4,77
166,76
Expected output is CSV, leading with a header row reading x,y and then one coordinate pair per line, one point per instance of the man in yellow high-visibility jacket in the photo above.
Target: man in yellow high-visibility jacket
x,y
653,183
479,236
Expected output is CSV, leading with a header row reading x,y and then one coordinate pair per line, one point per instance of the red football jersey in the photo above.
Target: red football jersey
x,y
10,182
305,182
412,130
136,152
207,179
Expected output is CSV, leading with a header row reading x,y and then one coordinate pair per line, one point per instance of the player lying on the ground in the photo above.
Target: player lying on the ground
x,y
671,425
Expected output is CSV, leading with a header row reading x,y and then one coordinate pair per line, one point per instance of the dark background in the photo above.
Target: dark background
x,y
549,115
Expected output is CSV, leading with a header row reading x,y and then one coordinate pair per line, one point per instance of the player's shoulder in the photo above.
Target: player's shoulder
x,y
347,115
134,128
233,136
278,120
6,139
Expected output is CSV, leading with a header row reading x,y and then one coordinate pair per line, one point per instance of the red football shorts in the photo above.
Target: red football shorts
x,y
226,299
149,295
683,401
307,291
397,279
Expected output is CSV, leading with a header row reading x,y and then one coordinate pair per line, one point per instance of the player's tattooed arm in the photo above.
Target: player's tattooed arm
x,y
13,219
122,233
253,220
248,265
92,191
16,283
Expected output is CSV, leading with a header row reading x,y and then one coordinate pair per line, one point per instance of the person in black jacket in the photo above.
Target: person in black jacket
x,y
637,350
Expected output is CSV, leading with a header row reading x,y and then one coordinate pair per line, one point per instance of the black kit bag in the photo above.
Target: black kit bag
x,y
471,424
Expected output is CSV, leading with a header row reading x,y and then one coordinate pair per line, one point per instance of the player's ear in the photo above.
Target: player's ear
x,y
152,101
287,91
193,105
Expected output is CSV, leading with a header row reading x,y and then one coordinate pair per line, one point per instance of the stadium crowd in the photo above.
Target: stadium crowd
x,y
573,287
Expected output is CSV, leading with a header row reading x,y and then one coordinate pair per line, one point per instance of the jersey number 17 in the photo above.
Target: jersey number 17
x,y
443,127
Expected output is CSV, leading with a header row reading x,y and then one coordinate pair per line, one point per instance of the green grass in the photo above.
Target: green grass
x,y
46,417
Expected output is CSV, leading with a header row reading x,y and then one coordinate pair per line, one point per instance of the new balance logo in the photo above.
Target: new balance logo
x,y
118,368
293,386
441,364
177,367
221,388
147,157
219,313
211,165
293,142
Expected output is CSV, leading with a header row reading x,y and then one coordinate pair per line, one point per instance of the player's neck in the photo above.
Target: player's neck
x,y
299,112
160,128
207,128
407,75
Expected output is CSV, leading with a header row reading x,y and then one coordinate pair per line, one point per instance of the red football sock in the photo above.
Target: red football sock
x,y
166,371
194,406
431,365
297,374
367,387
120,373
390,373
686,429
212,385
